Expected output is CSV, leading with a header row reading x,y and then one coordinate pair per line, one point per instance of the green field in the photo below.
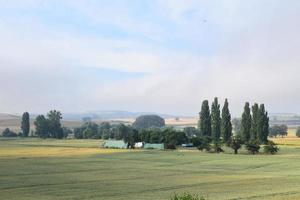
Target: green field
x,y
78,169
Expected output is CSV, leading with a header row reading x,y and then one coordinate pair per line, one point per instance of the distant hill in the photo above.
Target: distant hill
x,y
4,116
103,115
289,119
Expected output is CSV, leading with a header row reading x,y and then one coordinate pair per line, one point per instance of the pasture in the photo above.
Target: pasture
x,y
78,169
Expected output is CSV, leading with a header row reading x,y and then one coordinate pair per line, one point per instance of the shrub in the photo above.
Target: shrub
x,y
202,143
253,147
271,148
217,148
8,133
187,196
236,143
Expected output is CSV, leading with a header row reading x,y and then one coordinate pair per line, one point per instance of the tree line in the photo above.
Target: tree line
x,y
215,128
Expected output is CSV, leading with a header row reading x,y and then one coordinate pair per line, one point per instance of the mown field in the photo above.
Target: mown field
x,y
78,169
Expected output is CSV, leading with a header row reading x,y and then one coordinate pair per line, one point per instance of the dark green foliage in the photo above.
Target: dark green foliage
x,y
66,132
186,196
262,125
246,123
54,125
298,132
105,131
25,124
148,121
174,138
236,122
217,148
128,134
8,133
254,122
50,126
278,130
226,126
253,147
41,126
236,143
191,131
205,119
271,148
215,121
202,143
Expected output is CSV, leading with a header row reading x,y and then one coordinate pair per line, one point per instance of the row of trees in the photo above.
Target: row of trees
x,y
215,125
169,136
50,126
216,128
255,125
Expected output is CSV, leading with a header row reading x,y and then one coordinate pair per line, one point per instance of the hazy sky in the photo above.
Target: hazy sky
x,y
160,56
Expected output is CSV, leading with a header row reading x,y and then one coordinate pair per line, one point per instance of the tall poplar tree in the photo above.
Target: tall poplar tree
x,y
246,123
263,125
205,119
255,122
226,126
25,124
215,121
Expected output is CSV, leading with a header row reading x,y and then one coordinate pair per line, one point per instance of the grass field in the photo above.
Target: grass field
x,y
78,169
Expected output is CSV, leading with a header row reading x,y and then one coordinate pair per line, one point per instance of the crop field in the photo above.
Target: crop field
x,y
79,169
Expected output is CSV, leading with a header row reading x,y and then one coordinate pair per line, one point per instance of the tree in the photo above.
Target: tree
x,y
253,147
215,121
148,121
66,132
246,123
278,130
173,138
8,133
298,132
271,148
226,126
254,122
191,131
54,125
105,131
262,125
25,124
236,143
236,122
41,126
205,119
202,143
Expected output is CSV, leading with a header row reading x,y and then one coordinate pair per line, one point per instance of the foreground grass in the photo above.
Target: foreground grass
x,y
136,175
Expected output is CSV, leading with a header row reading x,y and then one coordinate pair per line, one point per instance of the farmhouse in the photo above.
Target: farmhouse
x,y
118,144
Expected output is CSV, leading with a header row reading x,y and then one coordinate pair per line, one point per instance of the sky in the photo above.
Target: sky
x,y
163,56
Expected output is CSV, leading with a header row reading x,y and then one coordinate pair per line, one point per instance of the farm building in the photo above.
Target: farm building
x,y
154,146
118,144
139,145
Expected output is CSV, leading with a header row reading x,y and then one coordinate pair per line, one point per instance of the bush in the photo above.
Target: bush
x,y
217,148
253,147
202,143
8,133
271,148
186,196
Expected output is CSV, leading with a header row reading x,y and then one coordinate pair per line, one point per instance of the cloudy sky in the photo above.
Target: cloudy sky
x,y
159,56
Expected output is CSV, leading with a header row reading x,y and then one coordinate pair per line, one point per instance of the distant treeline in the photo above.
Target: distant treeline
x,y
215,129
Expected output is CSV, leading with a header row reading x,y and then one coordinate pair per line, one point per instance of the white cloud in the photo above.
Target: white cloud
x,y
252,56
